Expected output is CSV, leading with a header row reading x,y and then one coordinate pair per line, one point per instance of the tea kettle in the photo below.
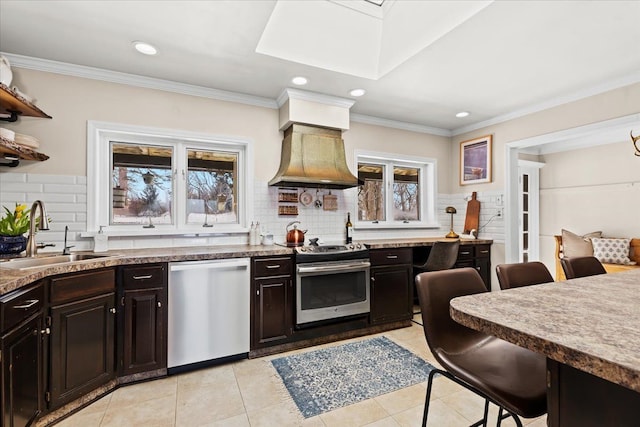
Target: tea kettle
x,y
295,236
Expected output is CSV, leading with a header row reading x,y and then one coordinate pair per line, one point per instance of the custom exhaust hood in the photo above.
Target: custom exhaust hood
x,y
313,157
312,148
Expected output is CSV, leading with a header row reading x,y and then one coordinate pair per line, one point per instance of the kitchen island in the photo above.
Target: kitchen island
x,y
589,329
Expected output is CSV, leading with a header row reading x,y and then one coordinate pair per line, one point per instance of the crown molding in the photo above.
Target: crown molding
x,y
46,65
554,102
74,70
412,127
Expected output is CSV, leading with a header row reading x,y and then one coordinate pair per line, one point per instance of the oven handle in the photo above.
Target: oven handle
x,y
333,267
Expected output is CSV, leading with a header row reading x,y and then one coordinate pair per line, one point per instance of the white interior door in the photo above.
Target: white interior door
x,y
529,210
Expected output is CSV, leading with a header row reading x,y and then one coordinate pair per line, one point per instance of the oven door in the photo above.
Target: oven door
x,y
333,289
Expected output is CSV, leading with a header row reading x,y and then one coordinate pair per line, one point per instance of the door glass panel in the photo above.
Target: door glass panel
x,y
406,193
211,187
142,187
371,193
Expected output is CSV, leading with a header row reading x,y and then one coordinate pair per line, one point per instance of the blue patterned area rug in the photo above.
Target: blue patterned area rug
x,y
330,378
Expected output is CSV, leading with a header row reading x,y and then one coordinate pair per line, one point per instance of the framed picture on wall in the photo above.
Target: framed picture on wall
x,y
475,160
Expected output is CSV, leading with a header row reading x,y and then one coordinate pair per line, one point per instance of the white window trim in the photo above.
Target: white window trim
x,y
428,187
99,134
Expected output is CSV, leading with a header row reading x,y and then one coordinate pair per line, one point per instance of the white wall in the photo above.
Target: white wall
x,y
72,101
606,165
599,190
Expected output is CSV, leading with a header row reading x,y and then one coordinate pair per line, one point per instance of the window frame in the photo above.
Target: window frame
x,y
427,182
99,176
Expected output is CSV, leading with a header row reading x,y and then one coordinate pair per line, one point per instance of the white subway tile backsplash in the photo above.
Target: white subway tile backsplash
x,y
65,188
12,177
52,179
66,198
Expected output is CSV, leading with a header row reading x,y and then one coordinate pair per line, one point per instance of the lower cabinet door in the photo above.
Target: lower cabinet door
x,y
144,332
22,385
272,310
82,347
391,294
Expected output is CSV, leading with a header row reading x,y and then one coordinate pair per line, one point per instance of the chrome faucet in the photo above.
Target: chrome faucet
x,y
43,224
66,250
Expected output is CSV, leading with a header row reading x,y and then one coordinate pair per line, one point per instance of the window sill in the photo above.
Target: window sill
x,y
159,232
387,226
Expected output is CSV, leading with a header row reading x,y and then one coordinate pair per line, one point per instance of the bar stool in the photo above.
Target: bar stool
x,y
522,274
582,267
505,374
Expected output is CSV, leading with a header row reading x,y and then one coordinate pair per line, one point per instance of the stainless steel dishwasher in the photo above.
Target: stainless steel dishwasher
x,y
208,312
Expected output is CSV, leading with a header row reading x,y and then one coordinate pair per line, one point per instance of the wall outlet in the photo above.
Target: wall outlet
x,y
500,212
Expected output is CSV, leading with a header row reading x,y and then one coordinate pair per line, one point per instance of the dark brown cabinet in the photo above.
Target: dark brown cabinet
x,y
478,257
82,342
391,285
272,301
142,338
21,356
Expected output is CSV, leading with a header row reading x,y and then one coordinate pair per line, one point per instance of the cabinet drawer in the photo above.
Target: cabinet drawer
x,y
272,267
77,286
391,256
465,252
19,305
483,251
144,276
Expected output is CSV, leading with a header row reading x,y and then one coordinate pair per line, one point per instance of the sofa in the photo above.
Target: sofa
x,y
576,245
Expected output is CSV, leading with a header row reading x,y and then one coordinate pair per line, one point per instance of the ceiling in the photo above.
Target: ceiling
x,y
420,62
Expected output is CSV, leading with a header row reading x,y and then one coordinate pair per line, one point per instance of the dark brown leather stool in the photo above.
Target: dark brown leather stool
x,y
581,267
505,374
522,274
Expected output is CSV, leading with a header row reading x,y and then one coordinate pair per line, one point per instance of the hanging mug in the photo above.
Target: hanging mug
x,y
5,71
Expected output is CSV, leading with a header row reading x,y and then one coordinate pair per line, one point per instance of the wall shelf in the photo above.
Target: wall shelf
x,y
13,105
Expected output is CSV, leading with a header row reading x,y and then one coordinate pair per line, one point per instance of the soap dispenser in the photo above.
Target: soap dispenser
x,y
100,241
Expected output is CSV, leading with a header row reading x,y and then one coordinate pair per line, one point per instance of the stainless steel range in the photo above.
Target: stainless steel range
x,y
332,281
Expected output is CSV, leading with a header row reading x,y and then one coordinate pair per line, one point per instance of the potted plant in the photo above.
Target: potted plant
x,y
13,226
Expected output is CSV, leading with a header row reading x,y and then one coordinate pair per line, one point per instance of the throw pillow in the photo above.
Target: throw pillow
x,y
612,251
574,245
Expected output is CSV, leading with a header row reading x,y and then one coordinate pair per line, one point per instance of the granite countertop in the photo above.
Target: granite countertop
x,y
11,279
591,323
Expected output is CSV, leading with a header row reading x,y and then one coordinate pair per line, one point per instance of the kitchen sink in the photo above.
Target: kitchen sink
x,y
43,261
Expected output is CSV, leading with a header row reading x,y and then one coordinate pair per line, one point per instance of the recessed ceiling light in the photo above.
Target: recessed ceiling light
x,y
462,114
299,80
357,92
145,48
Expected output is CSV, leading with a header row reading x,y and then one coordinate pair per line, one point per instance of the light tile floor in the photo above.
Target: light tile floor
x,y
249,393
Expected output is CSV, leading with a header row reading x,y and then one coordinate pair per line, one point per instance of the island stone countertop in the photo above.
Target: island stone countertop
x,y
11,279
591,323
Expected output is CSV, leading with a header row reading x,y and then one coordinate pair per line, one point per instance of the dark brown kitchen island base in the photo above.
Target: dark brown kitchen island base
x,y
330,336
578,399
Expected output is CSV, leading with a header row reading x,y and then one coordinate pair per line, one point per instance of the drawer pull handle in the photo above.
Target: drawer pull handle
x,y
112,310
28,304
149,276
465,253
273,266
484,252
392,256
